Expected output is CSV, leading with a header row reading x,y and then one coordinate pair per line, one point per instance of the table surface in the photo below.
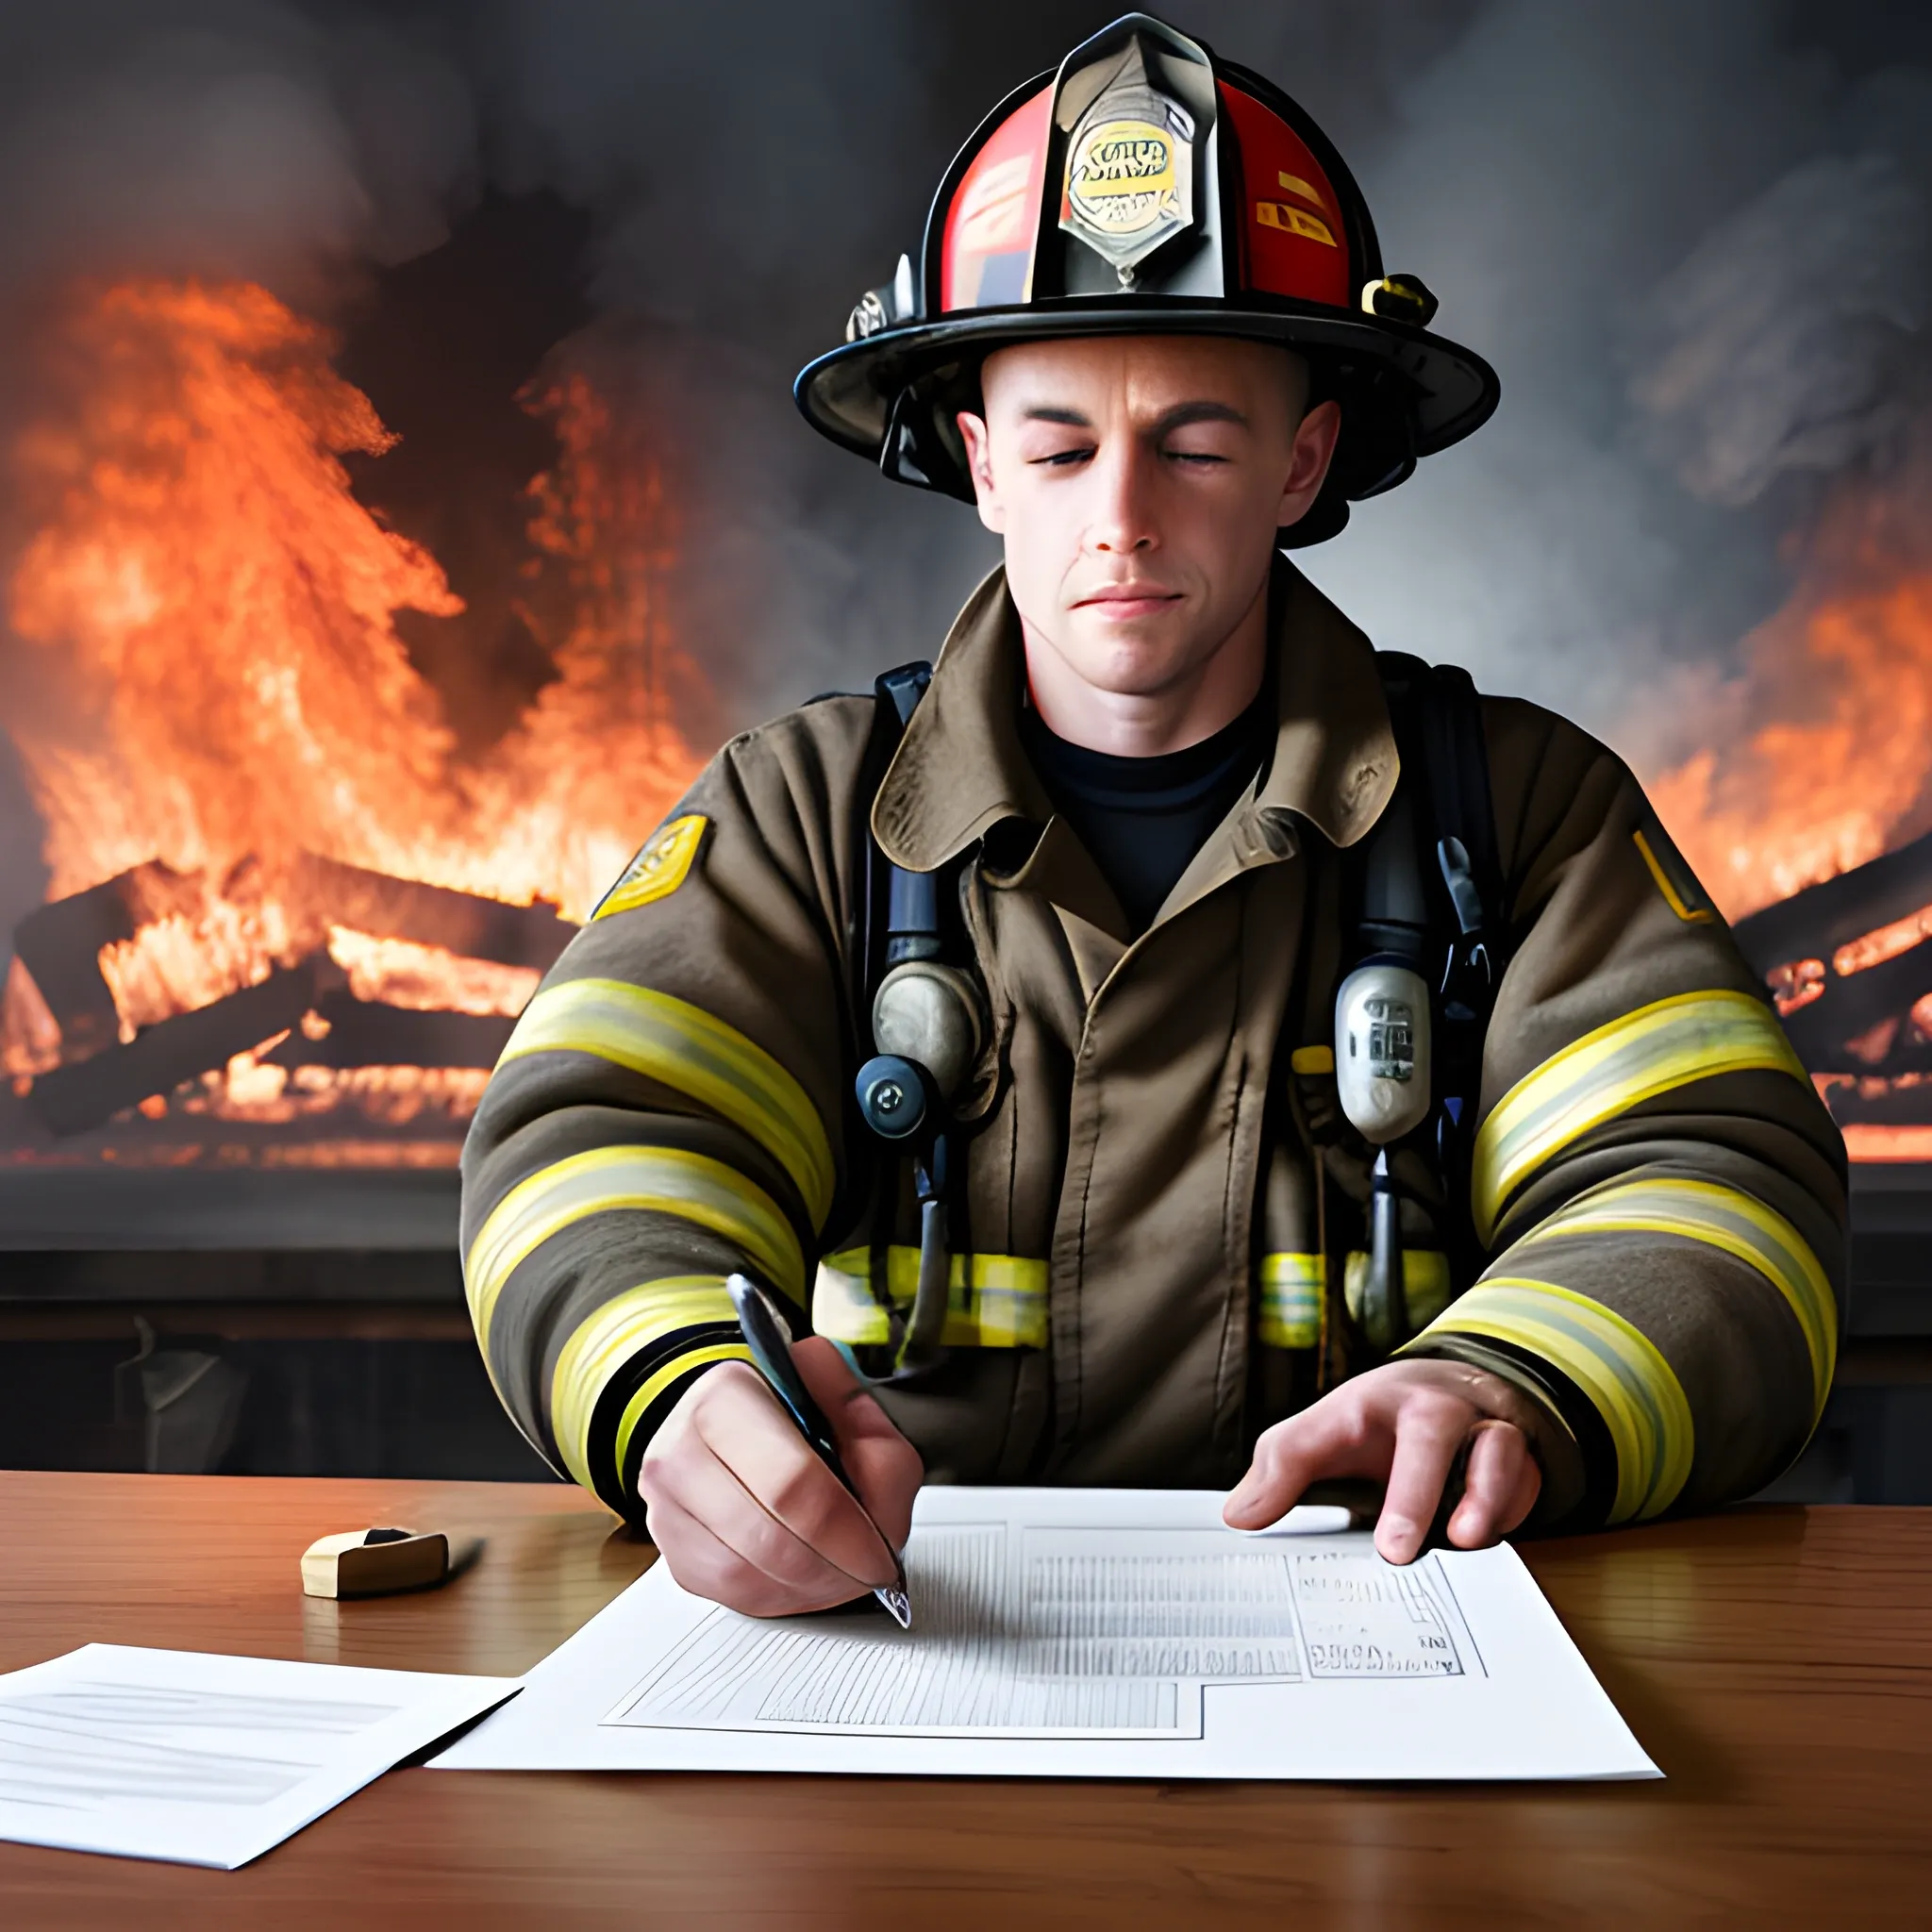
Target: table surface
x,y
1776,1662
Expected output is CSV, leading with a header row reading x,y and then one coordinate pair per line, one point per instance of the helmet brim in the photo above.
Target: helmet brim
x,y
1445,390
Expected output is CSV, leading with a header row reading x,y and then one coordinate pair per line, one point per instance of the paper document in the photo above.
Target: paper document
x,y
201,1759
1090,1633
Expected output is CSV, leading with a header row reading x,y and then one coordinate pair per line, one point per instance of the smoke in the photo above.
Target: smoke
x,y
1692,240
222,137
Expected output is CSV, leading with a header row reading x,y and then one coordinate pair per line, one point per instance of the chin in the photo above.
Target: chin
x,y
1130,667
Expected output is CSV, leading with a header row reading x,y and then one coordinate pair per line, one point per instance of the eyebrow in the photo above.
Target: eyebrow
x,y
1180,417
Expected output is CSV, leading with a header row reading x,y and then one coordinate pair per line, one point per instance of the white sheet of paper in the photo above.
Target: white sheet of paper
x,y
1089,1633
205,1759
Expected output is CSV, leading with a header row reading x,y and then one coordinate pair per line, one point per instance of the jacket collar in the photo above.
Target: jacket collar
x,y
960,770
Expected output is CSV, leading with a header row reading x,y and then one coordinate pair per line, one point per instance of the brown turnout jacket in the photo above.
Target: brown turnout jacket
x,y
1158,1207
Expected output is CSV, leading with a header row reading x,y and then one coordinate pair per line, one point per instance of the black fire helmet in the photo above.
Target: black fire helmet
x,y
1149,188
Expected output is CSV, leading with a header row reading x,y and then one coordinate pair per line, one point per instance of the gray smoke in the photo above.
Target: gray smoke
x,y
1693,239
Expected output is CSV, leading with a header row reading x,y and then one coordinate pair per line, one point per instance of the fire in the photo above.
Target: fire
x,y
1838,739
212,686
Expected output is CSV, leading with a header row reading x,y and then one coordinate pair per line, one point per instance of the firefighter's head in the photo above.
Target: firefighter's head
x,y
1140,483
1148,189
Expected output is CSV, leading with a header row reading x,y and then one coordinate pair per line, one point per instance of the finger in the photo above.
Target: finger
x,y
1500,1486
743,1426
1337,1435
1428,1432
710,1489
886,1467
708,1568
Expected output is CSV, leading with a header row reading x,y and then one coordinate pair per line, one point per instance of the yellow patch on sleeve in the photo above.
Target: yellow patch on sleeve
x,y
659,869
1674,879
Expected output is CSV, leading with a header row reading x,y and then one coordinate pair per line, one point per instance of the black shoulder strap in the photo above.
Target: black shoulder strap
x,y
902,908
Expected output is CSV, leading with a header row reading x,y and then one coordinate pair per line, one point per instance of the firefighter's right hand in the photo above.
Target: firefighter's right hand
x,y
743,1511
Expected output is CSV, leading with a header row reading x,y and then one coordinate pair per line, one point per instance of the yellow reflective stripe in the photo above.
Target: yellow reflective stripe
x,y
1291,1288
683,1047
1725,1218
1425,1284
1003,1306
656,1383
615,1334
1618,1367
1694,1036
659,1180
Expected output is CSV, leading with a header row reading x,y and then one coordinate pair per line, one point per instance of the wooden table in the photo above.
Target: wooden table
x,y
1776,1662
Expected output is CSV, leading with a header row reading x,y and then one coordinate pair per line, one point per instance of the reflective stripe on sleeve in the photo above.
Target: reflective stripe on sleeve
x,y
1616,1366
683,1047
1003,1306
662,1180
615,1334
1724,1218
1694,1036
656,1384
1291,1288
1425,1284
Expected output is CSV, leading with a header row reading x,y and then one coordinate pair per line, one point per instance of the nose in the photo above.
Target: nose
x,y
1122,475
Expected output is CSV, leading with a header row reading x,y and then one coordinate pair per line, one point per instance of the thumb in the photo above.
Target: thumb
x,y
885,1467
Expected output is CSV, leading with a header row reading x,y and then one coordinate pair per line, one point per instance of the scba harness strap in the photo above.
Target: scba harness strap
x,y
1427,889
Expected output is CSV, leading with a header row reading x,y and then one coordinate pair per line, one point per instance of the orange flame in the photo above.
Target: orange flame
x,y
1833,761
213,672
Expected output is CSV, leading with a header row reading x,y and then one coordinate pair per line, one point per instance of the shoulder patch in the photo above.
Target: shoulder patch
x,y
1674,879
659,869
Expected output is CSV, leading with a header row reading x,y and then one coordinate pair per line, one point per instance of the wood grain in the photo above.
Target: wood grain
x,y
1777,1663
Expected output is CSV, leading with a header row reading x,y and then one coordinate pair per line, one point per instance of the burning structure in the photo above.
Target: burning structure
x,y
289,921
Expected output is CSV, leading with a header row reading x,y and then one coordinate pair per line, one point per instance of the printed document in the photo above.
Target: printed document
x,y
203,1759
1090,1633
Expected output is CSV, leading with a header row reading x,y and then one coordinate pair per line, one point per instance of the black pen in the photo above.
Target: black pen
x,y
770,1341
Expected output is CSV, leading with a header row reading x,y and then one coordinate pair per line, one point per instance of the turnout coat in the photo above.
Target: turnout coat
x,y
1160,1200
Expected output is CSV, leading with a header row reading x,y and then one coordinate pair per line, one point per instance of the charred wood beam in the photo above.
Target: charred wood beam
x,y
1813,924
1895,1107
1850,1008
61,945
159,1058
462,922
367,1033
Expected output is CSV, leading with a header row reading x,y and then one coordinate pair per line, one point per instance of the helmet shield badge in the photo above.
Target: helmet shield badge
x,y
1129,180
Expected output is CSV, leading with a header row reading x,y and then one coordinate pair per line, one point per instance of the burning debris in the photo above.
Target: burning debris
x,y
306,1014
1850,962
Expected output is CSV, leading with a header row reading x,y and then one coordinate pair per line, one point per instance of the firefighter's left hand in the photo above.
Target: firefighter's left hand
x,y
1405,1424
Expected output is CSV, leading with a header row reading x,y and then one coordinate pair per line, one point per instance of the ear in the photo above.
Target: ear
x,y
1309,461
992,511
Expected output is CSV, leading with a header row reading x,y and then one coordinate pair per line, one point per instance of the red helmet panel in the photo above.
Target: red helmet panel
x,y
987,249
1293,240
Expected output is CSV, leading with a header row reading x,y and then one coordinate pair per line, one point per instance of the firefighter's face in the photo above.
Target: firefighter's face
x,y
1139,482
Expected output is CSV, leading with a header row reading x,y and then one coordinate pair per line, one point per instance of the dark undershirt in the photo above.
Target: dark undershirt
x,y
1144,818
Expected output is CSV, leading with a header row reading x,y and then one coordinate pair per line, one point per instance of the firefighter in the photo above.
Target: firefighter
x,y
1175,1045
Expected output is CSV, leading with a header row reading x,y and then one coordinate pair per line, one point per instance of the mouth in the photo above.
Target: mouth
x,y
1124,602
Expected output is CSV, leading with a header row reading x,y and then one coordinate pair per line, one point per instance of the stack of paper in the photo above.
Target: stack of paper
x,y
206,1760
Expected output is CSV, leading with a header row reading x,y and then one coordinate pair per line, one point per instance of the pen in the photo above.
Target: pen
x,y
770,1341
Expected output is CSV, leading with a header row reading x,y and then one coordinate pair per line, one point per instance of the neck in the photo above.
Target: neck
x,y
1204,699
